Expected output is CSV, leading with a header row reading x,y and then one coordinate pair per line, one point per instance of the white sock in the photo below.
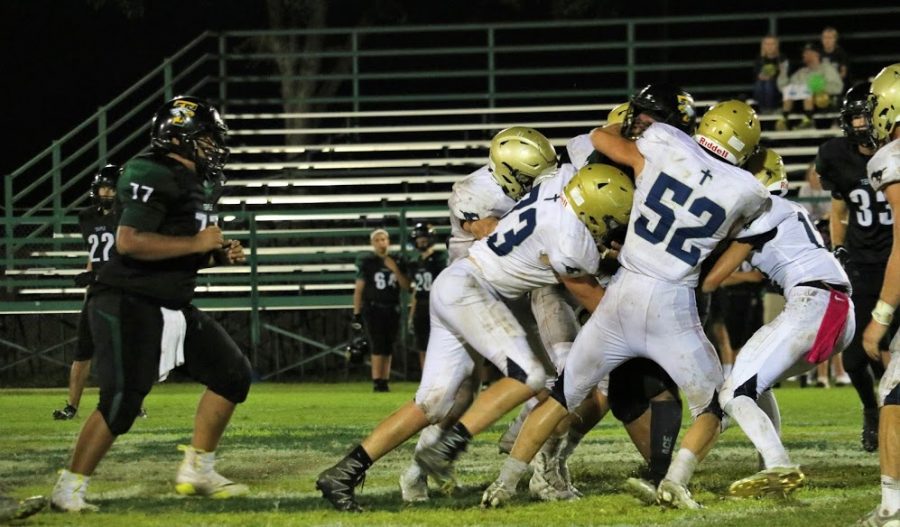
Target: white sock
x,y
890,495
759,429
512,471
682,468
726,370
569,443
767,403
429,436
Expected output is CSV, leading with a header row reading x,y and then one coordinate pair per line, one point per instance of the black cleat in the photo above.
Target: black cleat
x,y
437,460
66,413
338,484
870,429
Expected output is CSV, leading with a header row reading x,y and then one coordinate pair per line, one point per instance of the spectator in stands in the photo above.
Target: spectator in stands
x,y
423,271
376,304
834,54
769,67
814,85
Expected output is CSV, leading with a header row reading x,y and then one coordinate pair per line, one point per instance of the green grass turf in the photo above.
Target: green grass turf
x,y
285,434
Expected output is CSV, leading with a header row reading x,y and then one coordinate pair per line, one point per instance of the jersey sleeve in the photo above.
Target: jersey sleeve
x,y
579,149
85,223
575,253
145,191
884,167
464,205
825,168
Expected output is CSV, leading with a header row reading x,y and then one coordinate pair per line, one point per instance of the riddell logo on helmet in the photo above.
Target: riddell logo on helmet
x,y
714,148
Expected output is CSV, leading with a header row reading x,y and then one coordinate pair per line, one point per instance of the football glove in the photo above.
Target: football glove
x,y
84,279
842,255
357,323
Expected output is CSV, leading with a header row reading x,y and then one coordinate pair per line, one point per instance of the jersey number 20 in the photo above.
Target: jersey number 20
x,y
715,216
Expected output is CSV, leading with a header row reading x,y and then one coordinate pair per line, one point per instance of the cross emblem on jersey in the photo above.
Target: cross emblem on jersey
x,y
552,198
706,175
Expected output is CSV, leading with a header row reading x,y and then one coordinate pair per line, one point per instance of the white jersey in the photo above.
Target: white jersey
x,y
538,239
685,203
579,149
788,248
884,167
473,198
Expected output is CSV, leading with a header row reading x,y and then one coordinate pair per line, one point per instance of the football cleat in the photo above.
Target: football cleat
x,y
198,477
414,485
869,436
642,489
497,495
546,484
675,495
68,412
437,460
775,481
338,484
878,518
13,509
68,493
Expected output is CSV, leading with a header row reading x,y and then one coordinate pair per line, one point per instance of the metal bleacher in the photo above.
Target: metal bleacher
x,y
303,198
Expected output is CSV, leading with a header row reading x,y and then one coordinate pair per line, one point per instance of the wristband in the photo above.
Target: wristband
x,y
883,313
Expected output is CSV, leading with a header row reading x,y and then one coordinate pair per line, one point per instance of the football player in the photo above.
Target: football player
x,y
140,311
98,228
649,308
423,270
884,176
816,323
550,235
860,224
376,304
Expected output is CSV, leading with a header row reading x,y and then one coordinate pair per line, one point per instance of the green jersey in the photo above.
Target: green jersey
x,y
380,283
158,194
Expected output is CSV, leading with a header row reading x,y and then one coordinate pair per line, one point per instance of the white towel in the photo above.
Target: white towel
x,y
171,354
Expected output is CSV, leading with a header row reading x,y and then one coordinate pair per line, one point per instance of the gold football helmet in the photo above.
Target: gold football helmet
x,y
730,130
768,167
617,114
518,156
601,196
885,100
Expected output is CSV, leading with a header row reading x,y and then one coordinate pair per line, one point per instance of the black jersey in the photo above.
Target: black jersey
x,y
380,282
158,194
99,233
423,272
842,169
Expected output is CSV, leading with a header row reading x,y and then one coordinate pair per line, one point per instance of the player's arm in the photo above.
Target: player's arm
x,y
153,246
586,289
402,279
727,264
358,287
481,228
889,298
837,221
609,142
743,277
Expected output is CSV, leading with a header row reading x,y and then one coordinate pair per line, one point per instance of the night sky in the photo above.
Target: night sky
x,y
61,59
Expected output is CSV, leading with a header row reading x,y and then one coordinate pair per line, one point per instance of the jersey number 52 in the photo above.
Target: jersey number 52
x,y
680,194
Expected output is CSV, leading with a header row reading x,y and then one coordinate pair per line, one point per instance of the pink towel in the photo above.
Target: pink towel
x,y
830,329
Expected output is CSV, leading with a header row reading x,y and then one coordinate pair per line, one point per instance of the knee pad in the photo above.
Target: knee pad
x,y
436,405
535,379
234,382
120,410
714,407
893,396
627,410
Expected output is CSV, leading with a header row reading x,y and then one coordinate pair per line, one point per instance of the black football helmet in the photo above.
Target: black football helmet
x,y
105,177
422,230
857,104
666,104
193,129
357,349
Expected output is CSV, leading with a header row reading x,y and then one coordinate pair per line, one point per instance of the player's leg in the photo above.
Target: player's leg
x,y
81,367
447,365
127,331
213,359
421,329
889,440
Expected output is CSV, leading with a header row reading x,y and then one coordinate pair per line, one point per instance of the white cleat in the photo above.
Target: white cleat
x,y
68,493
642,489
197,476
675,495
497,495
546,484
878,518
414,485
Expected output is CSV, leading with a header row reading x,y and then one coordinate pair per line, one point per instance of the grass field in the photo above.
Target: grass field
x,y
285,434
